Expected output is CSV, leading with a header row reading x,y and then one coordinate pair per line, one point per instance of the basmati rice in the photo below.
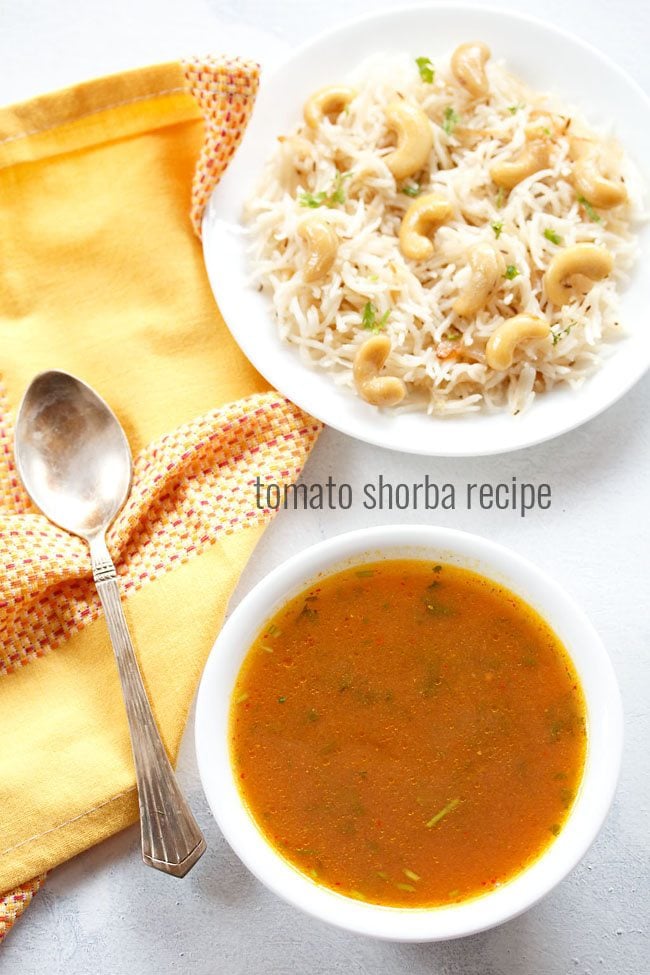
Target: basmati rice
x,y
439,355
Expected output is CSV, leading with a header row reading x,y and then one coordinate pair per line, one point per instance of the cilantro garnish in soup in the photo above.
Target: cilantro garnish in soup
x,y
408,733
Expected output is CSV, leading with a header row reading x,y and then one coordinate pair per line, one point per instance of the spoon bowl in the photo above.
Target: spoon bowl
x,y
72,454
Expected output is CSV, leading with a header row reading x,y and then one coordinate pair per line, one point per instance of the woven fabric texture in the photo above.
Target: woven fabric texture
x,y
102,189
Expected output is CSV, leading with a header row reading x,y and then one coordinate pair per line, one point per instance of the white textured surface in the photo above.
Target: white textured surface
x,y
105,913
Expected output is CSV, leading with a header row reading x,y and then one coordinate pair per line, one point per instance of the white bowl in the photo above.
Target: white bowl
x,y
604,732
608,98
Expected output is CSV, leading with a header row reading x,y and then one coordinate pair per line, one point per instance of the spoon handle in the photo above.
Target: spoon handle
x,y
171,838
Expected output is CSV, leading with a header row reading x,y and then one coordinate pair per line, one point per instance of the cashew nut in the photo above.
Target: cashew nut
x,y
369,360
327,101
468,136
414,138
468,65
533,157
501,345
588,178
423,215
322,245
545,125
587,261
487,268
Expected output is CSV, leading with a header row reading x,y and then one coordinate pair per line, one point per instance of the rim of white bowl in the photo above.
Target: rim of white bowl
x,y
291,385
604,727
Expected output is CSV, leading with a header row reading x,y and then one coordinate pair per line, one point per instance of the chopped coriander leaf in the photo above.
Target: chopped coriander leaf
x,y
281,699
452,335
499,199
566,797
511,272
413,189
335,196
338,193
369,318
242,697
560,333
513,109
552,236
451,120
546,130
589,209
312,199
426,69
451,805
497,227
308,612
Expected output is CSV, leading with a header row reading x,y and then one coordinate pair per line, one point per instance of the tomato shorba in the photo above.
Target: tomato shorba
x,y
408,733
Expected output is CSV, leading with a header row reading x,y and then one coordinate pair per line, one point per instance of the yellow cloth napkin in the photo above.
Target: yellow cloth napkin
x,y
101,275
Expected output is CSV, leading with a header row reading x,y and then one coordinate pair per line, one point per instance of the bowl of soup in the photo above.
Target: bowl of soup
x,y
409,732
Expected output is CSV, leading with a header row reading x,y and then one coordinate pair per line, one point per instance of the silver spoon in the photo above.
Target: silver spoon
x,y
75,463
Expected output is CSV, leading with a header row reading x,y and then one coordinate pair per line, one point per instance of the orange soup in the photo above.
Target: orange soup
x,y
408,733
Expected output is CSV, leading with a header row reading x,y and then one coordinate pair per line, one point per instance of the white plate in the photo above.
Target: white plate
x,y
547,59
